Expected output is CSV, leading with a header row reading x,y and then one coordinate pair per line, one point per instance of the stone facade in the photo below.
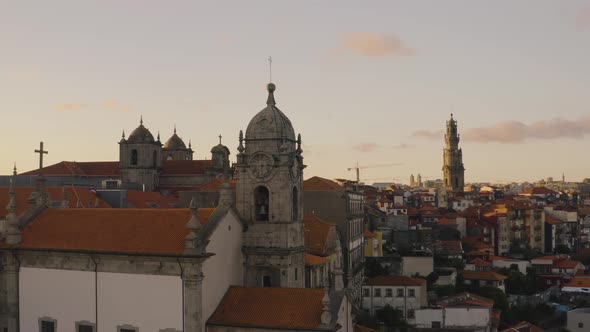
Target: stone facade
x,y
269,173
453,170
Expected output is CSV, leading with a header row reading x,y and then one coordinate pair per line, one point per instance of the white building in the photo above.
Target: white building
x,y
578,320
400,292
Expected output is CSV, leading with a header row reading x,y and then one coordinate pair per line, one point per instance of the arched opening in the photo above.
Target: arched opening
x,y
134,157
261,203
295,204
155,159
456,182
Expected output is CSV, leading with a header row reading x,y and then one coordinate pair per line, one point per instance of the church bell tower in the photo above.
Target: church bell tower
x,y
269,172
453,169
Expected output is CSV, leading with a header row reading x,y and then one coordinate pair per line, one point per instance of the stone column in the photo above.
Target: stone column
x,y
9,292
192,282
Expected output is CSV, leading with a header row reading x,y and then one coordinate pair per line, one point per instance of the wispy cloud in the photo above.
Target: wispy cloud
x,y
373,44
518,132
429,134
403,145
115,106
71,107
366,147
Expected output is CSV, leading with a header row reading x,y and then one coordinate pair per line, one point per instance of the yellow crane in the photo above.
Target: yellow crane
x,y
358,168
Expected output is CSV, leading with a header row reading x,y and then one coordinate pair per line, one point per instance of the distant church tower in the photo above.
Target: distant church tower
x,y
412,181
175,149
269,172
140,158
453,169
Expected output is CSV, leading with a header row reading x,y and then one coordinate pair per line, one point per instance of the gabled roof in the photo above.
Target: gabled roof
x,y
523,326
483,275
539,191
395,281
465,300
317,183
68,168
567,264
139,231
317,232
271,308
478,262
552,220
314,260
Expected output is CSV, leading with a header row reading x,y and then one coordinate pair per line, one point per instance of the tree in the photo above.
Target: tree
x,y
562,249
391,318
516,282
496,294
446,290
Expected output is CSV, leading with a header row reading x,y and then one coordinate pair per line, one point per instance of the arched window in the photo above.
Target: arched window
x,y
295,202
134,157
155,159
456,182
261,203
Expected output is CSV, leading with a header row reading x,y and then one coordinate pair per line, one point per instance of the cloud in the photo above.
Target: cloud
x,y
366,147
403,145
115,106
429,134
71,107
373,44
518,132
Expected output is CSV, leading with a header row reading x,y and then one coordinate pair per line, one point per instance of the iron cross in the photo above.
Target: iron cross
x,y
41,152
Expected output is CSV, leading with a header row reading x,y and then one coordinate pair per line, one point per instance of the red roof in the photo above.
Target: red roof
x,y
149,231
483,275
567,264
317,183
466,299
539,191
92,168
215,185
523,326
276,308
395,281
316,233
478,262
314,260
150,199
368,234
446,222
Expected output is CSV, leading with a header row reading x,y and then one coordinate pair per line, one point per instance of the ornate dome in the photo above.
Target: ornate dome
x,y
175,143
219,148
270,123
141,135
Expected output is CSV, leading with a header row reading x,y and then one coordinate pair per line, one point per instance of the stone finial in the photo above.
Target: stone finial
x,y
193,225
241,146
141,120
123,135
299,150
175,129
13,232
326,318
190,144
271,98
158,135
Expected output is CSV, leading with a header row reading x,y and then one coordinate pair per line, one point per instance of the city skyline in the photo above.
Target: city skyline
x,y
374,86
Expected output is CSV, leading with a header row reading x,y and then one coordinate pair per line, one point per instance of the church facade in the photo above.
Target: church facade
x,y
453,169
169,270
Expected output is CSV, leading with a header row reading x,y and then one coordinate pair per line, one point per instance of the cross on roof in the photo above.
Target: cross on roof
x,y
41,152
220,138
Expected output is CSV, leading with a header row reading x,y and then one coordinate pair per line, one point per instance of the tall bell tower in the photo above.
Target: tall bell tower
x,y
269,172
453,169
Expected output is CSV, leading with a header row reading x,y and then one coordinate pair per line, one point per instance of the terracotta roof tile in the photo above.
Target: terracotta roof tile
x,y
317,183
316,234
483,275
314,260
395,281
578,282
523,326
150,231
539,191
150,199
465,299
215,185
368,234
92,168
567,264
480,263
360,328
277,308
552,220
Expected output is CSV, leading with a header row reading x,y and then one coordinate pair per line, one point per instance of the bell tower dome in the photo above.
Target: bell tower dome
x,y
269,172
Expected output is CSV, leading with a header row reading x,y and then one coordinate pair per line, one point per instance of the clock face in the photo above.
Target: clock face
x,y
261,165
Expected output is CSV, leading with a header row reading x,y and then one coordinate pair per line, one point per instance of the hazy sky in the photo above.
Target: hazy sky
x,y
366,81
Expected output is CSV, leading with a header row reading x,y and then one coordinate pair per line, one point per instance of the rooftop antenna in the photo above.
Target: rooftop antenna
x,y
270,68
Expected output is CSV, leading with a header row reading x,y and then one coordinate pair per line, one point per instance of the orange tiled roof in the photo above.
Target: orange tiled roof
x,y
483,275
567,264
446,222
277,308
85,195
215,185
185,167
316,233
539,191
578,282
146,199
395,281
480,263
314,260
523,326
150,231
317,183
552,220
360,328
368,234
68,168
466,299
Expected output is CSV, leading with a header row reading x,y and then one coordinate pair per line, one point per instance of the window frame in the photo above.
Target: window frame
x,y
86,323
127,327
47,319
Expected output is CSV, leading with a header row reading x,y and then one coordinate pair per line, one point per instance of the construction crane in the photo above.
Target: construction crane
x,y
358,168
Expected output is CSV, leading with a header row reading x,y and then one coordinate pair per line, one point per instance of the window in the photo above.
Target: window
x,y
377,292
296,274
85,326
261,196
295,202
580,325
127,328
411,313
134,157
47,324
400,292
411,293
436,325
388,292
266,281
366,292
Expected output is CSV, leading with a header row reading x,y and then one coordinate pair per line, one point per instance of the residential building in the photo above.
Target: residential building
x,y
477,279
400,292
323,254
578,320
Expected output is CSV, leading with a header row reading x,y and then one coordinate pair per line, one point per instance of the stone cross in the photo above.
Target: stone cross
x,y
41,152
220,139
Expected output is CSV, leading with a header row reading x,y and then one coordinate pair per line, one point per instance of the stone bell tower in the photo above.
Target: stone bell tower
x,y
269,172
453,169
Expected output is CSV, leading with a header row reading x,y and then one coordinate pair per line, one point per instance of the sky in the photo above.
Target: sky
x,y
372,82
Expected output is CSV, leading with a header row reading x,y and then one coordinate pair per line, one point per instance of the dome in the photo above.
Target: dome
x,y
270,123
141,135
175,143
220,148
